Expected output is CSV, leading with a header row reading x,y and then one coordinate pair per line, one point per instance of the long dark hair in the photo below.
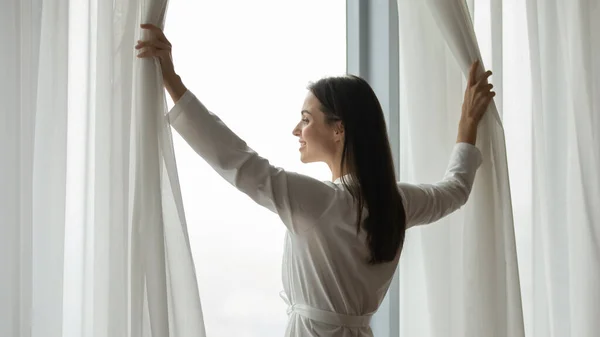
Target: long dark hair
x,y
367,159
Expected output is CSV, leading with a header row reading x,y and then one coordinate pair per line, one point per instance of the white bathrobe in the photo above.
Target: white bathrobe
x,y
329,287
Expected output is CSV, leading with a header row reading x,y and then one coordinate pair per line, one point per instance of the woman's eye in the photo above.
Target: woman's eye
x,y
305,120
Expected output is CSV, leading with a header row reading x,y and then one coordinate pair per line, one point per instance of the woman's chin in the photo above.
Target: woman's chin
x,y
304,158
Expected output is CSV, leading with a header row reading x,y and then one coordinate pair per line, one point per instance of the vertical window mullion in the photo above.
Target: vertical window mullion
x,y
373,53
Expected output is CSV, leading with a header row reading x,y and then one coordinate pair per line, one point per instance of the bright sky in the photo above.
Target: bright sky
x,y
250,62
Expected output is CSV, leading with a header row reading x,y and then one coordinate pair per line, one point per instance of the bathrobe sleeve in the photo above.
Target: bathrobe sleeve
x,y
427,203
299,200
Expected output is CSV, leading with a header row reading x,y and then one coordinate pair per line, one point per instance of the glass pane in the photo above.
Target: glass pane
x,y
250,63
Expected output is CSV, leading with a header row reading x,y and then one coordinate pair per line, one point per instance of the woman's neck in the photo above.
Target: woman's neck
x,y
337,172
335,166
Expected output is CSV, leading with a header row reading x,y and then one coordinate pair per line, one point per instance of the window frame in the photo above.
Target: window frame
x,y
372,52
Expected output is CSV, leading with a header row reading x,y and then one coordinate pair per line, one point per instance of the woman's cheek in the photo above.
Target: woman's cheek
x,y
305,132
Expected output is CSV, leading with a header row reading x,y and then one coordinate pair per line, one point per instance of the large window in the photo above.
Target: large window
x,y
250,63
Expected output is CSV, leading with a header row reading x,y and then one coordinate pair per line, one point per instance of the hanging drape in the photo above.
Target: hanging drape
x,y
458,277
558,88
564,41
93,238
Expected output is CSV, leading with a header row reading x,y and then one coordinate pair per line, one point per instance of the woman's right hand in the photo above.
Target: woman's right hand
x,y
478,96
158,46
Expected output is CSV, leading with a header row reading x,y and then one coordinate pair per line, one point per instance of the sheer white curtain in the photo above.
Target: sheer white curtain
x,y
564,40
458,277
546,61
93,239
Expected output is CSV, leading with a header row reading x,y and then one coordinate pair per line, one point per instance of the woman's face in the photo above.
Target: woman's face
x,y
318,140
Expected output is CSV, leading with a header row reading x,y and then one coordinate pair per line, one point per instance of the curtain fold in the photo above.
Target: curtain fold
x,y
465,266
93,234
172,285
564,43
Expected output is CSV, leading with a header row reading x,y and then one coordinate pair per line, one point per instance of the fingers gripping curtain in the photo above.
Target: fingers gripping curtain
x,y
93,234
465,266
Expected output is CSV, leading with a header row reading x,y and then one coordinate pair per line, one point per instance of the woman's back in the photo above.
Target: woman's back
x,y
326,268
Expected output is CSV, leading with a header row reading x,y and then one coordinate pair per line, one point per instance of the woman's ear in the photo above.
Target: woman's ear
x,y
338,130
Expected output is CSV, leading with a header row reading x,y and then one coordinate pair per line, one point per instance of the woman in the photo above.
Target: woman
x,y
344,237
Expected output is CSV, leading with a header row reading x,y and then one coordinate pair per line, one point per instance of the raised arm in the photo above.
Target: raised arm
x,y
427,203
299,200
